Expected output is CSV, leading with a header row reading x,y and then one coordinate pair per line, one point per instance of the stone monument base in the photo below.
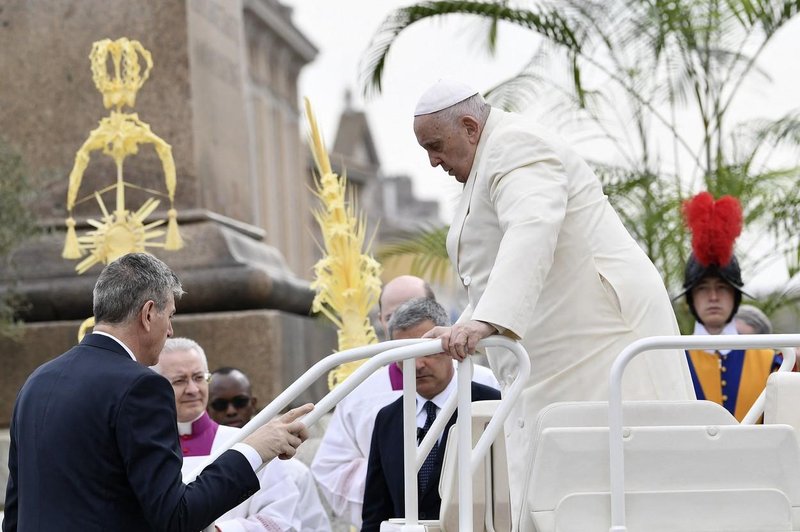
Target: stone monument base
x,y
224,266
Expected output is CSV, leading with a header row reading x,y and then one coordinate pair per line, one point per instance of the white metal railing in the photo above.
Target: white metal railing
x,y
785,342
380,355
469,459
318,370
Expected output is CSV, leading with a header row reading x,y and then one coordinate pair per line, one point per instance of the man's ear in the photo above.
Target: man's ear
x,y
147,314
473,128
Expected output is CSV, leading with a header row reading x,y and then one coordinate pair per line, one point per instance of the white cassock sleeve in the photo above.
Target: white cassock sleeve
x,y
287,501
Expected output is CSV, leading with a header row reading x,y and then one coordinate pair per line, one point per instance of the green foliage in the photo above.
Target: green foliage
x,y
659,80
548,22
427,249
16,221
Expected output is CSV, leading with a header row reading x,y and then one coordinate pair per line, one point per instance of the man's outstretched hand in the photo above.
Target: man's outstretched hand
x,y
281,436
460,340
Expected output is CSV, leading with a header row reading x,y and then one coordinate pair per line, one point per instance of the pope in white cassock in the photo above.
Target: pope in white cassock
x,y
288,499
544,259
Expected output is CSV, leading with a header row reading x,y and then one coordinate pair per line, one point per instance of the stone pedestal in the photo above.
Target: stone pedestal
x,y
224,266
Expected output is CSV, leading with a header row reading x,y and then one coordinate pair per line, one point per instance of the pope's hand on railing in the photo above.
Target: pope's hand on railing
x,y
461,339
281,436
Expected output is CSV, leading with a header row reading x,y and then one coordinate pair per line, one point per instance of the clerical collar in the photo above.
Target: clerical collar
x,y
730,328
185,428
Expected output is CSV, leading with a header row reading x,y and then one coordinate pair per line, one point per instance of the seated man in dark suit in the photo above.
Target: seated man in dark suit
x,y
383,495
117,464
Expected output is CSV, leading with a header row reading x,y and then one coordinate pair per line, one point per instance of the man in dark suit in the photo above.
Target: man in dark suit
x,y
94,441
383,494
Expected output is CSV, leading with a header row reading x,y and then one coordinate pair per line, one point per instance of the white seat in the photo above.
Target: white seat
x,y
782,404
490,500
634,414
688,467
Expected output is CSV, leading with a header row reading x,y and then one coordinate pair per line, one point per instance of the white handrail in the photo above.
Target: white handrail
x,y
318,370
469,459
786,342
382,354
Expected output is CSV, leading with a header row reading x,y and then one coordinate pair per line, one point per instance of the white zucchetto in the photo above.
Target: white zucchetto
x,y
441,95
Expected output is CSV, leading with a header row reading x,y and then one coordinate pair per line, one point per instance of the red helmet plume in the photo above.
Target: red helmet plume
x,y
714,226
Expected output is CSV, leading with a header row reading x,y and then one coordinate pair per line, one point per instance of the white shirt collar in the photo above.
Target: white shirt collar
x,y
185,427
730,328
120,342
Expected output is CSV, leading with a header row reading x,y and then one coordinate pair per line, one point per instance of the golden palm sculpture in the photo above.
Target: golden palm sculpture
x,y
347,279
119,135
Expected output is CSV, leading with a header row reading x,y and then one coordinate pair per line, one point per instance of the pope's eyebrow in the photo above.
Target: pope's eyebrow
x,y
433,145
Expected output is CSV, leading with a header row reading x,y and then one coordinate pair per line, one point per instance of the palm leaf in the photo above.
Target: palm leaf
x,y
547,22
427,250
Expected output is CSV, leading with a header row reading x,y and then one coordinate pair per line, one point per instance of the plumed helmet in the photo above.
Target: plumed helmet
x,y
714,226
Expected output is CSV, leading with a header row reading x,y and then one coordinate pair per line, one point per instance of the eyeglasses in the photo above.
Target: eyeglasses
x,y
197,378
220,405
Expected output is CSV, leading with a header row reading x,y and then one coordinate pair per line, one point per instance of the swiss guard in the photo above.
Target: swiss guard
x,y
713,285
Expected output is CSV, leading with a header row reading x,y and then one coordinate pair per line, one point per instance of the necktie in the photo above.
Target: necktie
x,y
426,471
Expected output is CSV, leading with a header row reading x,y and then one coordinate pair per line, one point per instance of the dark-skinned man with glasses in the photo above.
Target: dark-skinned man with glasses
x,y
230,397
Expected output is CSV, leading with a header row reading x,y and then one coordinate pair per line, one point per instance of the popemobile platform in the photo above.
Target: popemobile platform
x,y
640,466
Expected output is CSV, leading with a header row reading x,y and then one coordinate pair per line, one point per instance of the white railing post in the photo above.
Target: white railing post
x,y
465,446
410,445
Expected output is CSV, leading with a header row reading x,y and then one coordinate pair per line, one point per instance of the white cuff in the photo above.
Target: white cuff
x,y
232,525
250,453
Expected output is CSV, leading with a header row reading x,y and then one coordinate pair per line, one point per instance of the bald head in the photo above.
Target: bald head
x,y
398,291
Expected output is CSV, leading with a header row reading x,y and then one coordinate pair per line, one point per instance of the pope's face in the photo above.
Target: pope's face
x,y
451,146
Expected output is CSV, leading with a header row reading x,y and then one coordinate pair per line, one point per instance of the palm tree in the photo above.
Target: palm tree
x,y
427,249
653,76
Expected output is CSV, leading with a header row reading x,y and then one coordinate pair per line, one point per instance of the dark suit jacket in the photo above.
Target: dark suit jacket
x,y
384,491
94,446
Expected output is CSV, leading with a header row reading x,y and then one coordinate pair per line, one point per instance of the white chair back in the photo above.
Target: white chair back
x,y
491,503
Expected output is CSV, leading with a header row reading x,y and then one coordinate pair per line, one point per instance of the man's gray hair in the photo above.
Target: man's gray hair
x,y
474,106
416,311
127,283
755,318
181,344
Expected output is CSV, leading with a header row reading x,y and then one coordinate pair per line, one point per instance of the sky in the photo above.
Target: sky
x,y
426,52
452,47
